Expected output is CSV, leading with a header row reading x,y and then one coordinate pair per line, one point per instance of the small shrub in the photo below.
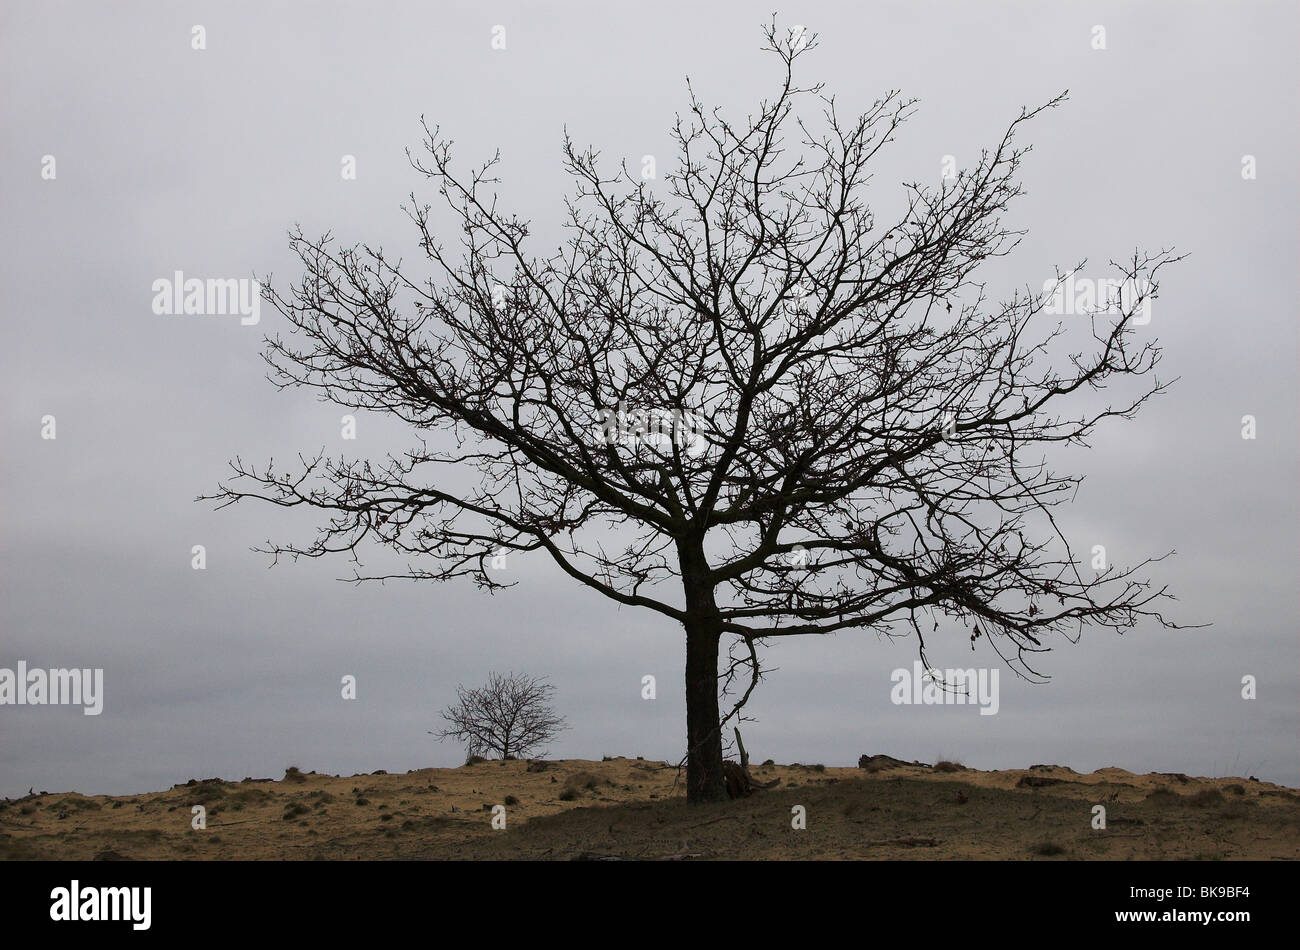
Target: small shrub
x,y
511,800
1164,797
585,780
474,760
1206,797
294,774
946,766
247,796
1048,849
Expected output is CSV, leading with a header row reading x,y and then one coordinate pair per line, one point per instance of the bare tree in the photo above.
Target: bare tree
x,y
510,715
733,397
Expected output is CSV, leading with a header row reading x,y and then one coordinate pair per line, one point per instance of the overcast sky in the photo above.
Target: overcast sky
x,y
172,159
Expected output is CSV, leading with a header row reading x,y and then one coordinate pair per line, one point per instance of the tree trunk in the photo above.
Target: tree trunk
x,y
704,779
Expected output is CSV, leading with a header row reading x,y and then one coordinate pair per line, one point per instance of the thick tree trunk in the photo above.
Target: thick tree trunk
x,y
704,782
704,779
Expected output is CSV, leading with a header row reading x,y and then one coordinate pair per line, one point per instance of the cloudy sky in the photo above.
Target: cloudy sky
x,y
167,158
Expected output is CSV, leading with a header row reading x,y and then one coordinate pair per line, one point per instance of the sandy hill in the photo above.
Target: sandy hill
x,y
632,809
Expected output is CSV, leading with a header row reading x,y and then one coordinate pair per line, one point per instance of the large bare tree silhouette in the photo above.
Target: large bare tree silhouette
x,y
733,397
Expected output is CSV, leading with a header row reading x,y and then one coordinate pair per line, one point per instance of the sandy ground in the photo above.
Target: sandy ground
x,y
629,808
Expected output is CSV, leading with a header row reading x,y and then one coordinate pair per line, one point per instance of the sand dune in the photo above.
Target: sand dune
x,y
630,809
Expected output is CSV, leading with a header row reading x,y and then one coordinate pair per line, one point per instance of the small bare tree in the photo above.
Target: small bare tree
x,y
511,715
